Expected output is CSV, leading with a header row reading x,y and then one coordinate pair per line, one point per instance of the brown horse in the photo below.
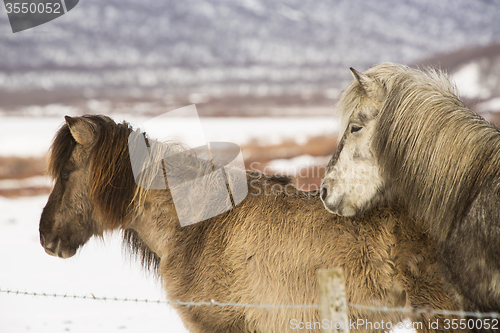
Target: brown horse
x,y
266,250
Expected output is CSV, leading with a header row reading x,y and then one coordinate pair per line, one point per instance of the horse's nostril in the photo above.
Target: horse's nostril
x,y
324,193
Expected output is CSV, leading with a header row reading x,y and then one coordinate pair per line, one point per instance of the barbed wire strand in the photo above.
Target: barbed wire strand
x,y
138,300
415,311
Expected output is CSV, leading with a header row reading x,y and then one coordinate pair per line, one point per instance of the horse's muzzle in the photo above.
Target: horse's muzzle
x,y
56,247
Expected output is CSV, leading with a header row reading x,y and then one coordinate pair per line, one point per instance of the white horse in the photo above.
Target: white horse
x,y
410,142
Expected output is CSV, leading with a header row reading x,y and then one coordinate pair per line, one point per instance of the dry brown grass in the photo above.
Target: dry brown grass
x,y
323,145
24,191
258,156
17,168
494,118
21,167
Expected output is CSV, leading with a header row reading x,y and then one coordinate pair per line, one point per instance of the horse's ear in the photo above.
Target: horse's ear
x,y
369,85
82,130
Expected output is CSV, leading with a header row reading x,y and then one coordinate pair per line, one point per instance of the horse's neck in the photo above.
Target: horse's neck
x,y
154,216
155,222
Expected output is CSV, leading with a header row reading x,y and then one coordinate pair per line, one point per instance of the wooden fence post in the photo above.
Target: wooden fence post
x,y
332,301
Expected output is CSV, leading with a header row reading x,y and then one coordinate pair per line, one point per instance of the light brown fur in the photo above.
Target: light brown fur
x,y
266,250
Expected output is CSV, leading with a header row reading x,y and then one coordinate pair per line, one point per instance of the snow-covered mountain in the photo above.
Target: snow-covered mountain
x,y
152,49
476,72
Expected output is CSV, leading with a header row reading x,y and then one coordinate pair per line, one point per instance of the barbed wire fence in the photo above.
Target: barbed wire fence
x,y
407,310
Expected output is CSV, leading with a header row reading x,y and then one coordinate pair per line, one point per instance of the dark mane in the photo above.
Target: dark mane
x,y
133,243
111,180
60,151
112,183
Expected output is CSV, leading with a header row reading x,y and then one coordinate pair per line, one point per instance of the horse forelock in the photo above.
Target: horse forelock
x,y
434,146
348,101
351,97
111,179
60,151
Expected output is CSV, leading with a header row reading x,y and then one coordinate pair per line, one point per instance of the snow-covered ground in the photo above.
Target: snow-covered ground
x,y
293,166
468,81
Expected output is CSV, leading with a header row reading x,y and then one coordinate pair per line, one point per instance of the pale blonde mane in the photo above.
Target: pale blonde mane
x,y
153,173
386,75
440,152
173,166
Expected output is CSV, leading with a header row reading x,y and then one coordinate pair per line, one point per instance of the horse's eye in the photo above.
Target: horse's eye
x,y
355,128
65,174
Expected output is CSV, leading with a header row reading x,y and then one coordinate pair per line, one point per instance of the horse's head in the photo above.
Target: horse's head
x,y
352,180
71,216
67,220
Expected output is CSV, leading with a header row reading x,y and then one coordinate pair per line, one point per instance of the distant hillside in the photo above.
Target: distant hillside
x,y
476,71
227,54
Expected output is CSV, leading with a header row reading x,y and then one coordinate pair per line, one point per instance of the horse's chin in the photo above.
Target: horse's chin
x,y
346,211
